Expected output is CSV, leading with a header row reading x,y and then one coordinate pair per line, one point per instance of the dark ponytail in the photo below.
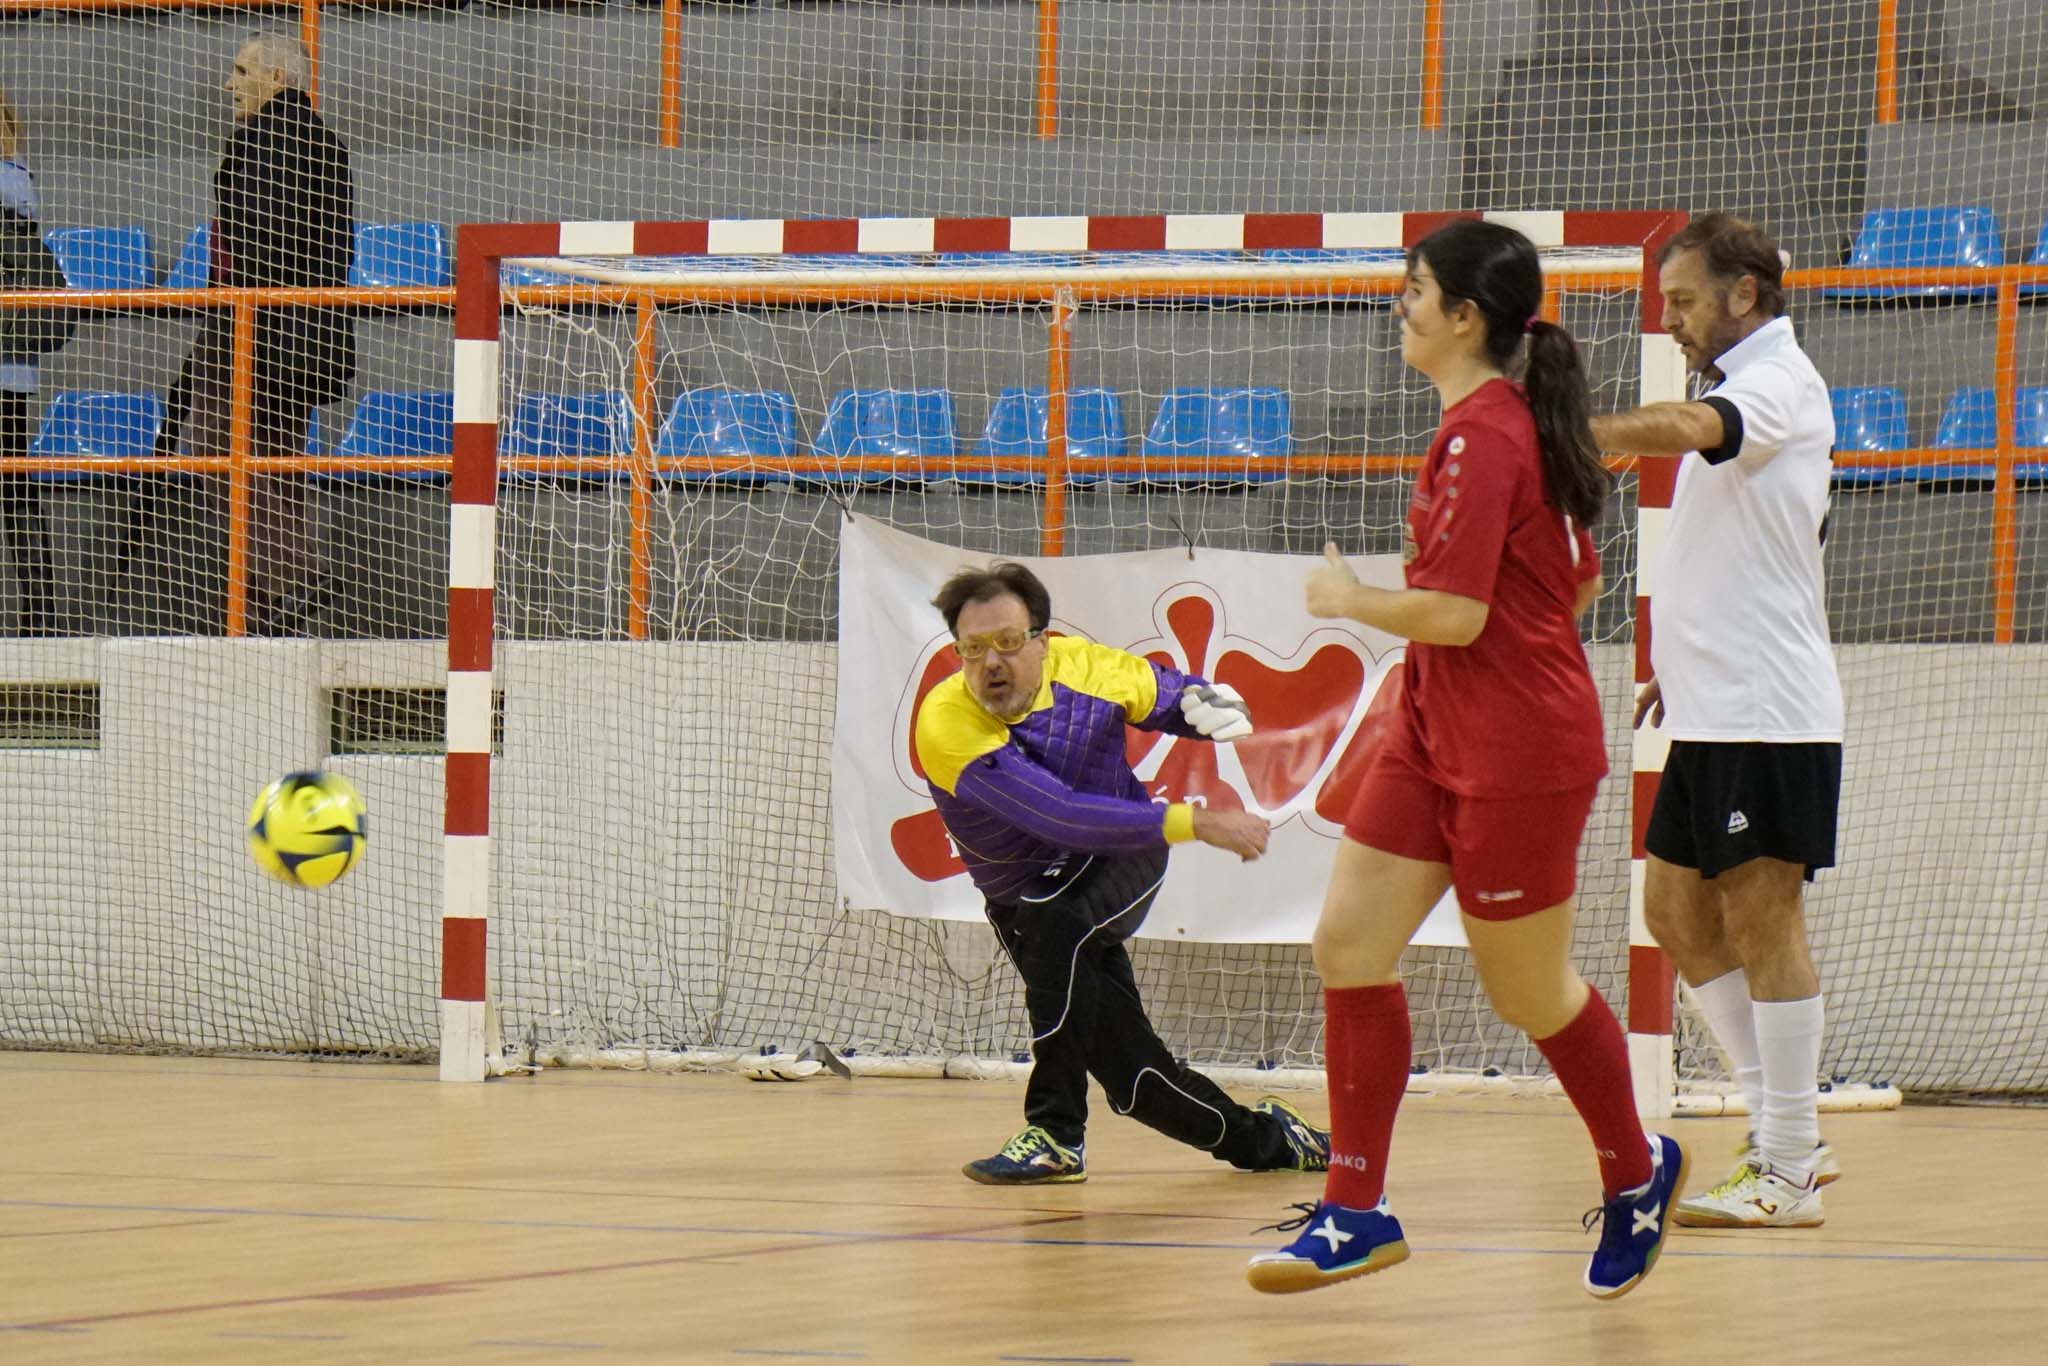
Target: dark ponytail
x,y
1562,403
1495,269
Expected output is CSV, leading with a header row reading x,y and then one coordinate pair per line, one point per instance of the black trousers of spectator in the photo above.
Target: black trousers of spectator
x,y
166,535
21,522
1087,1020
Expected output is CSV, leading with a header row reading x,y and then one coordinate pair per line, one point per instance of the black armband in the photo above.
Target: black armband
x,y
1731,431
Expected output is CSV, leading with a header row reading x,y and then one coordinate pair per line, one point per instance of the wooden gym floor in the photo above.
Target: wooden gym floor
x,y
198,1210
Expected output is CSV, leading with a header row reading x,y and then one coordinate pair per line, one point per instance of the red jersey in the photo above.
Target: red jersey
x,y
1515,712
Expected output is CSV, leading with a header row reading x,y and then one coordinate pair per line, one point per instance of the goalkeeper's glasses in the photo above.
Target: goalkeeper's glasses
x,y
1002,642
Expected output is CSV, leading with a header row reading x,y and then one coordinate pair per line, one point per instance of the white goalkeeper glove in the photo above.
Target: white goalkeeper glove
x,y
1217,711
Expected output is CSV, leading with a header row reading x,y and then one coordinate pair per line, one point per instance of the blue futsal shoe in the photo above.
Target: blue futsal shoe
x,y
1336,1243
1634,1223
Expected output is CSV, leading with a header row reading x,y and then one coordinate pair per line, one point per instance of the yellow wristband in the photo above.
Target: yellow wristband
x,y
1180,823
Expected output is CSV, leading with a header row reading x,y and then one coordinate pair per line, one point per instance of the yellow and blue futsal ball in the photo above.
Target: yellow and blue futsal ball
x,y
307,828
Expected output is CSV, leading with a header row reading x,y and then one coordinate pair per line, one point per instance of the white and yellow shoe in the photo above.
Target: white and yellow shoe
x,y
1754,1196
1826,1170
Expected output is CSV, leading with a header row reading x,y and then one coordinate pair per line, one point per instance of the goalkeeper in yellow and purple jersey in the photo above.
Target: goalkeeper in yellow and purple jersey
x,y
1024,750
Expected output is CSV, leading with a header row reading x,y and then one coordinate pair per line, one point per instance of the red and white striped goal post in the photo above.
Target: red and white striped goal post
x,y
470,1047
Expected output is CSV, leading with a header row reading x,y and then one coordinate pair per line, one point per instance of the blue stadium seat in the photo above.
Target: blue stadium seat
x,y
83,424
729,422
1958,235
569,424
194,269
1871,418
395,424
1246,423
2030,420
2038,257
104,258
899,422
320,435
1017,425
401,255
1970,423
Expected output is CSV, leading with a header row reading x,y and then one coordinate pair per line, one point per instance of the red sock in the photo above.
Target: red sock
x,y
1366,1050
1590,1057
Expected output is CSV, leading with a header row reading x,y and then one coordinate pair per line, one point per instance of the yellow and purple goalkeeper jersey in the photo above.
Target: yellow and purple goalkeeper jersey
x,y
1018,797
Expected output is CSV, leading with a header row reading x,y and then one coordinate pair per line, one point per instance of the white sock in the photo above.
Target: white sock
x,y
1788,1043
1726,1003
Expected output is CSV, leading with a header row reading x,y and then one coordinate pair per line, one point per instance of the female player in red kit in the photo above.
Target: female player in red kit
x,y
1486,774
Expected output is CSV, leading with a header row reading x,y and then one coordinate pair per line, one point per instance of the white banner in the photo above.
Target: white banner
x,y
1229,616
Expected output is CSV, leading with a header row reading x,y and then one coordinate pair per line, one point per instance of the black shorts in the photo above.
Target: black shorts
x,y
1721,804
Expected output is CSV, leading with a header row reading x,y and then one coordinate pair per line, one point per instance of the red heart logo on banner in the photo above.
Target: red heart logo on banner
x,y
1301,709
941,666
1299,714
922,846
1333,801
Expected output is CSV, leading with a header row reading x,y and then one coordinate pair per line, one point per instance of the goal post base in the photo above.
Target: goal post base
x,y
1688,1100
471,1049
1840,1098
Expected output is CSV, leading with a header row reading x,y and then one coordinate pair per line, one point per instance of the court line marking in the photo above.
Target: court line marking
x,y
959,1207
40,1328
642,1198
972,1236
237,1157
463,1285
742,1197
117,1228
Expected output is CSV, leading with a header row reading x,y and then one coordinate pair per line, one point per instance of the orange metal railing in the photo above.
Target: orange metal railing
x,y
671,73
1887,61
1430,115
1060,299
1432,64
1048,68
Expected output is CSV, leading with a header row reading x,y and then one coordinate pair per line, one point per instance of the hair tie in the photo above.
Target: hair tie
x,y
1530,326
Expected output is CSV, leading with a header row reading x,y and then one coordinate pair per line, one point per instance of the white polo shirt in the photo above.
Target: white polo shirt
x,y
1738,615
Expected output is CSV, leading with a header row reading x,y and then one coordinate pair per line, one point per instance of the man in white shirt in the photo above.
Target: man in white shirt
x,y
1744,683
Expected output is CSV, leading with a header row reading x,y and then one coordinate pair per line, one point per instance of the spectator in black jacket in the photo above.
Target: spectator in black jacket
x,y
284,216
25,336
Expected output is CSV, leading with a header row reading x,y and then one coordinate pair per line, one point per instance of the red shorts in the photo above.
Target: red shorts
x,y
1509,856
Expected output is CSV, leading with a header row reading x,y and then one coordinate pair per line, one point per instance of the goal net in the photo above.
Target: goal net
x,y
667,612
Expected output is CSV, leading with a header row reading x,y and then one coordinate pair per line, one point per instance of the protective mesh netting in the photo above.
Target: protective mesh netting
x,y
134,743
